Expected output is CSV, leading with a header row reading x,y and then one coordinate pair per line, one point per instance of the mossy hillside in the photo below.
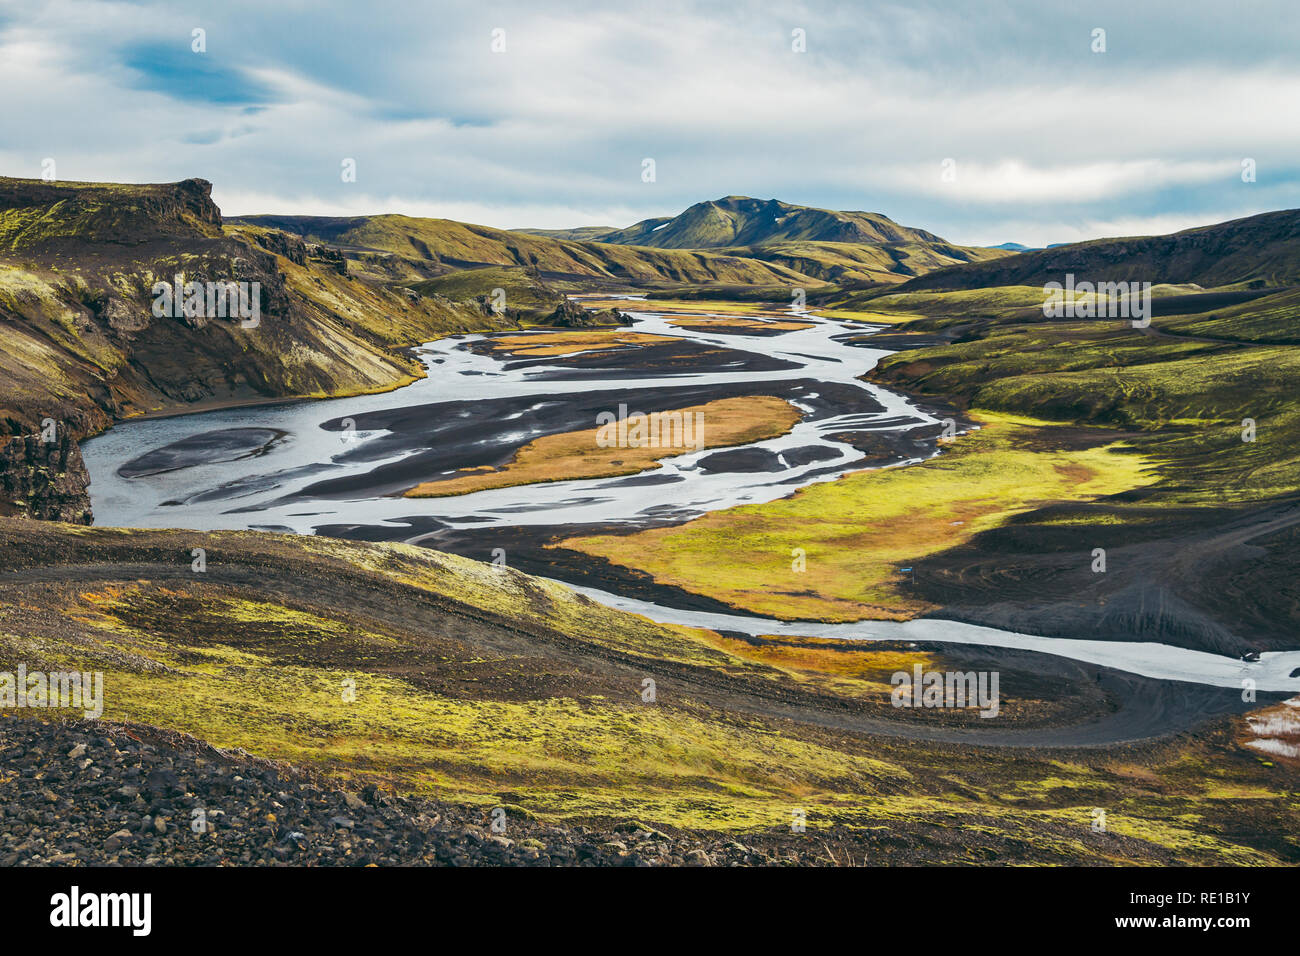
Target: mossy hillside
x,y
523,290
1272,319
1189,398
962,309
500,593
77,267
876,263
458,245
51,351
564,757
963,368
1260,250
68,363
535,601
382,314
35,214
255,655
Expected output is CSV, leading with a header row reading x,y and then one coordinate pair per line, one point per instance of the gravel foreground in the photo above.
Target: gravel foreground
x,y
104,793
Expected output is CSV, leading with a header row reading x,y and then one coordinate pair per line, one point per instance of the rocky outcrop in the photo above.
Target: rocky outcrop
x,y
44,479
104,212
332,258
570,314
282,244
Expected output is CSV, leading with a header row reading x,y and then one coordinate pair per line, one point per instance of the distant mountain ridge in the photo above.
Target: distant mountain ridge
x,y
1262,250
570,254
743,221
449,244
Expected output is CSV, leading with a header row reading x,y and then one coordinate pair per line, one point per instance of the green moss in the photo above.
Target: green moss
x,y
857,532
354,695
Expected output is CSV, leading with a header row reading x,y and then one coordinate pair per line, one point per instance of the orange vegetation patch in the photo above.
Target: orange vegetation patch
x,y
824,660
579,454
738,324
539,344
1274,732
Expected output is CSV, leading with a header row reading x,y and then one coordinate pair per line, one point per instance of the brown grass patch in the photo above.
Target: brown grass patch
x,y
757,325
571,455
569,343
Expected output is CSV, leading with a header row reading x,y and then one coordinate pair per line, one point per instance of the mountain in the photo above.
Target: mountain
x,y
874,263
447,245
741,221
1262,250
735,241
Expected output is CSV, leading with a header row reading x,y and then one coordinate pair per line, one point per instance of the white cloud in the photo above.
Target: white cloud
x,y
1050,141
1016,181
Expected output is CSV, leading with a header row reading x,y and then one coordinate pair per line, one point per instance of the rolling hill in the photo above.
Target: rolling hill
x,y
494,692
730,242
742,221
1257,251
855,264
457,245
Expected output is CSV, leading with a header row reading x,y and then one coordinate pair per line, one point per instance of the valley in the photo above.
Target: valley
x,y
424,570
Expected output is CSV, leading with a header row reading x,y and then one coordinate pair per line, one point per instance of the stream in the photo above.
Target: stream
x,y
338,466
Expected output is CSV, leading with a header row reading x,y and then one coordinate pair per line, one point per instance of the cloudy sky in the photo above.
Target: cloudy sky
x,y
1049,140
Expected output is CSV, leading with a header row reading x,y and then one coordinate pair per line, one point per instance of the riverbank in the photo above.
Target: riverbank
x,y
855,535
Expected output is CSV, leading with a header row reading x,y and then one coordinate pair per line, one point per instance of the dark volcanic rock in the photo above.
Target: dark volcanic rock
x,y
46,480
291,247
94,792
129,215
334,258
570,314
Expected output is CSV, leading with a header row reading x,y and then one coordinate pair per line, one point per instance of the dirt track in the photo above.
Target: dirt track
x,y
1215,580
1091,707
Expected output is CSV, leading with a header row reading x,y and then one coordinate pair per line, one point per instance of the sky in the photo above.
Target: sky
x,y
982,121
